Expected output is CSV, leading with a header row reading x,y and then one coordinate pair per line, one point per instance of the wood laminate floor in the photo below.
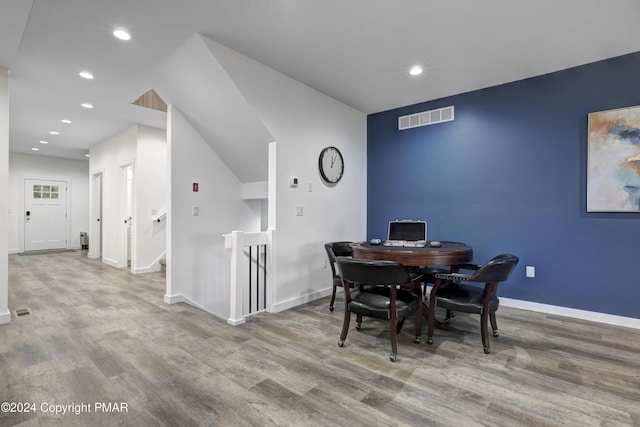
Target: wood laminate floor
x,y
97,335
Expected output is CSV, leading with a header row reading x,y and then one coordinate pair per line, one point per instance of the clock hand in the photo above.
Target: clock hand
x,y
333,159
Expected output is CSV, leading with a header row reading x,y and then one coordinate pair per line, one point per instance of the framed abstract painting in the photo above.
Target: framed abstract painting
x,y
613,170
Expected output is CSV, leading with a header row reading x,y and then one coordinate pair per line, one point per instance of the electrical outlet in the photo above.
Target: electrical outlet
x,y
531,271
299,210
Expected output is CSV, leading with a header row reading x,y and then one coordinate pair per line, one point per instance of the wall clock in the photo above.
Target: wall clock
x,y
331,165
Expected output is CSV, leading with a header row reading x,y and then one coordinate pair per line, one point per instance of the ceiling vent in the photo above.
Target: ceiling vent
x,y
150,99
425,118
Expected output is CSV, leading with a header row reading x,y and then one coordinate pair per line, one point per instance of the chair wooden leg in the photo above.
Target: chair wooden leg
x,y
418,316
431,312
345,327
394,325
358,321
484,320
333,298
418,337
494,324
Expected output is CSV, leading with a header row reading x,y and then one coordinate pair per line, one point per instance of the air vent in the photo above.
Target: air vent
x,y
425,118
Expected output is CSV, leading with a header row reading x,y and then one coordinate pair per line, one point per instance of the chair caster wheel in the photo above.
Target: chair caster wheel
x,y
330,308
487,350
393,357
496,333
417,340
358,326
340,343
429,341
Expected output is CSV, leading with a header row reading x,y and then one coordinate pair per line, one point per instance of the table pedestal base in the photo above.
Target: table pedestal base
x,y
443,326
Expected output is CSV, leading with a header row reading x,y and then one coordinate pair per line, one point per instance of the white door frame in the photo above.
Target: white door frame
x,y
124,197
95,220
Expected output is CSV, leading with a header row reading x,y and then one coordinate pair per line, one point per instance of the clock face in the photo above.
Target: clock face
x,y
331,165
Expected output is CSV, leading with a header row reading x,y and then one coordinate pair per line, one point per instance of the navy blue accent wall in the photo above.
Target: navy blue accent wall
x,y
509,175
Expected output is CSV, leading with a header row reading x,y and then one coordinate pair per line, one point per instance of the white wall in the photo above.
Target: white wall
x,y
75,172
146,148
5,316
198,266
151,189
108,157
303,121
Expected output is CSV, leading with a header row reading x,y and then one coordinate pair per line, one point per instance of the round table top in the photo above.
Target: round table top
x,y
449,253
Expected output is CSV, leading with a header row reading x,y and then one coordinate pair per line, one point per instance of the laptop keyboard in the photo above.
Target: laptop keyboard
x,y
406,243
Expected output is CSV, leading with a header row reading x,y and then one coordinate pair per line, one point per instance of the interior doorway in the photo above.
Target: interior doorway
x,y
45,214
95,232
126,202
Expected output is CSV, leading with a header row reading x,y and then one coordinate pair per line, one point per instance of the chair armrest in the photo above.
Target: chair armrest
x,y
468,266
414,276
452,276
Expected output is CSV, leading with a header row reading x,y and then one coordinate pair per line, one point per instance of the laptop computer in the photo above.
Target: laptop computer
x,y
407,233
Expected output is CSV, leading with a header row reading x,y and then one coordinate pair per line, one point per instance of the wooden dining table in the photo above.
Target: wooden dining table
x,y
446,254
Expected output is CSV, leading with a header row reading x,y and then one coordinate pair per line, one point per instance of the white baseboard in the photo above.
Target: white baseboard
x,y
14,251
236,322
155,265
5,317
593,316
110,262
174,299
151,269
302,299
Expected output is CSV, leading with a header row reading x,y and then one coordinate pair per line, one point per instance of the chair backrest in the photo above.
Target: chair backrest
x,y
372,272
336,249
497,270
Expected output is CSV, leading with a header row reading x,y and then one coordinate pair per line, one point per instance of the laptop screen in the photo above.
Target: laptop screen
x,y
407,230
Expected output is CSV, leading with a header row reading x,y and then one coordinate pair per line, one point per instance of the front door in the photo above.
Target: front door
x,y
45,214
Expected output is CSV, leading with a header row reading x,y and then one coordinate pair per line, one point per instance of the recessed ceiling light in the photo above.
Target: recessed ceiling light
x,y
35,149
66,121
54,132
85,75
43,142
87,155
122,34
415,70
87,105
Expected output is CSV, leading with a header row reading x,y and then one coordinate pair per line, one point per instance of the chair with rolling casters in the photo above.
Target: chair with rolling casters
x,y
460,294
385,296
336,249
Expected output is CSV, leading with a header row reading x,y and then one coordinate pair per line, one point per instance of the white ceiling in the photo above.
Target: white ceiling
x,y
357,51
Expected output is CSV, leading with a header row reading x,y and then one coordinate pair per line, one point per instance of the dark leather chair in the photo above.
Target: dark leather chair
x,y
384,297
457,292
336,249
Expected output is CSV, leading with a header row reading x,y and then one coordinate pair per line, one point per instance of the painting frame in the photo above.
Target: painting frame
x,y
613,160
